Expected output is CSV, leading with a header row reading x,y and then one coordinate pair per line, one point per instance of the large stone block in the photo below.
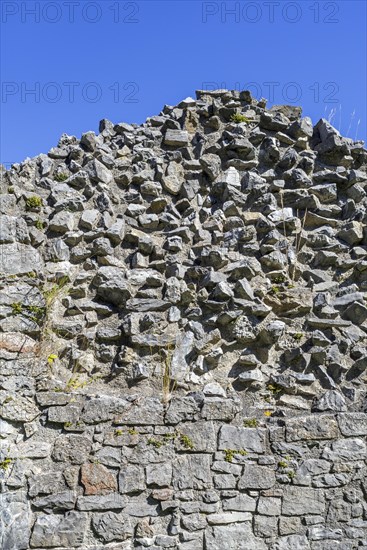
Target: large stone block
x,y
236,438
352,424
237,536
55,530
312,427
18,259
192,472
15,521
298,501
257,477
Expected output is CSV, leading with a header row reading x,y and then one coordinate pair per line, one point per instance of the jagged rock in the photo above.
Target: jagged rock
x,y
111,526
112,285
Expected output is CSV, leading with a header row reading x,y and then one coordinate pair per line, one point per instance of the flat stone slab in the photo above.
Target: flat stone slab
x,y
247,439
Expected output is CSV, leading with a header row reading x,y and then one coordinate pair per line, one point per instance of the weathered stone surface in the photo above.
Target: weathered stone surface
x,y
352,424
192,472
111,526
14,521
112,285
346,449
102,408
97,479
256,477
232,536
240,503
17,408
56,502
248,439
159,474
53,530
298,501
312,427
112,501
292,542
73,448
18,259
176,138
148,411
201,435
131,479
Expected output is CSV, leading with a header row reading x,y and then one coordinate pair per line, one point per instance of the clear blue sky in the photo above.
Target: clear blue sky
x,y
124,60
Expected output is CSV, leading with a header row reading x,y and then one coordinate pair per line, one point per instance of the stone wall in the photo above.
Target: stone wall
x,y
183,335
198,474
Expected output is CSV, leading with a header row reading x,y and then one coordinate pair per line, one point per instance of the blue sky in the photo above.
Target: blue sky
x,y
67,64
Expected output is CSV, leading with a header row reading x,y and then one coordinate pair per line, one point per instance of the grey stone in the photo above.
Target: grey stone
x,y
331,400
98,172
256,477
111,526
269,506
54,530
148,411
73,448
357,313
56,502
18,259
202,436
45,483
298,501
292,542
131,479
141,506
15,521
159,474
62,222
312,427
192,472
112,285
232,517
352,424
12,230
17,408
232,536
240,503
113,501
181,409
346,450
103,408
179,363
176,138
248,439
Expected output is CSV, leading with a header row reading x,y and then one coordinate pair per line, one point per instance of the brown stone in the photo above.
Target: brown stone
x,y
17,342
162,494
97,480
